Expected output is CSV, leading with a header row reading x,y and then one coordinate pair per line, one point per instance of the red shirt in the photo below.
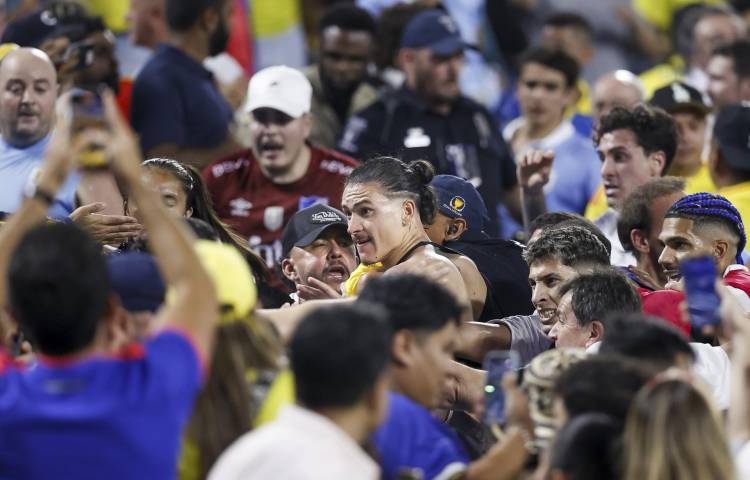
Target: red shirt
x,y
258,209
738,277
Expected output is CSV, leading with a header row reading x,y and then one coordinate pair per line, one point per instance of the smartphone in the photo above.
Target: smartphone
x,y
497,363
88,112
703,302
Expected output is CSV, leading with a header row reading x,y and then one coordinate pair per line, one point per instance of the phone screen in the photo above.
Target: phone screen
x,y
700,289
497,363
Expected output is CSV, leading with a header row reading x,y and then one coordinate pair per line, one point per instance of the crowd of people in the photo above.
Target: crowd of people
x,y
225,263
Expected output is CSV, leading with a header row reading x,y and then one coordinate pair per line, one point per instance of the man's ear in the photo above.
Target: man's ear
x,y
639,239
720,249
404,345
456,228
189,212
287,268
596,334
306,124
744,87
572,96
658,160
408,211
405,57
119,331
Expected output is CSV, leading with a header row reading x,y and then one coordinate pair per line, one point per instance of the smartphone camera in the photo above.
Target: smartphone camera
x,y
703,302
88,112
497,363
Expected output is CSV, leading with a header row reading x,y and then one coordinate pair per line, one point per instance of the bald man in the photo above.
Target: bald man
x,y
619,88
28,91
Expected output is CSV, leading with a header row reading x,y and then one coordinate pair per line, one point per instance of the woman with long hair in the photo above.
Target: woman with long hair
x,y
183,191
248,380
673,433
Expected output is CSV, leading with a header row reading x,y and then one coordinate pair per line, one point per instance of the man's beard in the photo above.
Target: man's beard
x,y
219,39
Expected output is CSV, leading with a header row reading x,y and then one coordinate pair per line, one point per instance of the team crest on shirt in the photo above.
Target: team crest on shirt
x,y
239,207
273,218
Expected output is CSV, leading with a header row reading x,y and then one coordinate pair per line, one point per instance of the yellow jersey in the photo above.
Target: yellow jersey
x,y
739,195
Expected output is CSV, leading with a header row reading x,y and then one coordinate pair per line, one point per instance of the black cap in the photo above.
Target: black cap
x,y
59,19
732,132
679,96
307,224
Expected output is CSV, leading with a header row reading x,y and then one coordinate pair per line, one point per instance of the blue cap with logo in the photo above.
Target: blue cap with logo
x,y
436,30
458,198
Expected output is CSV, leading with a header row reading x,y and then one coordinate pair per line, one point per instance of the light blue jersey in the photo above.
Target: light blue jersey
x,y
18,166
576,172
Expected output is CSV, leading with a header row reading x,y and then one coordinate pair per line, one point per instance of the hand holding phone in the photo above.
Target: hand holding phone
x,y
703,301
497,363
88,112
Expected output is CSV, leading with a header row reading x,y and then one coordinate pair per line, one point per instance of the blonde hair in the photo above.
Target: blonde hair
x,y
672,433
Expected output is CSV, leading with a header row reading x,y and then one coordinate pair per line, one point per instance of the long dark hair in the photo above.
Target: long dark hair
x,y
226,407
199,201
398,178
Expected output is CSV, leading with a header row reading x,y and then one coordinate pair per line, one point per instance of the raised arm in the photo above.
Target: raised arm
x,y
533,173
193,307
59,160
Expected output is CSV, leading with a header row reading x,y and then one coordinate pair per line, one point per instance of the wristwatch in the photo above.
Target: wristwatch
x,y
32,190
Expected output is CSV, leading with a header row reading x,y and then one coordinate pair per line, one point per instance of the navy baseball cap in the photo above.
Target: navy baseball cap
x,y
436,30
458,198
732,132
135,277
308,224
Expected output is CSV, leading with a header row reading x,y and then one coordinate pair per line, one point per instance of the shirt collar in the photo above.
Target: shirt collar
x,y
37,148
733,267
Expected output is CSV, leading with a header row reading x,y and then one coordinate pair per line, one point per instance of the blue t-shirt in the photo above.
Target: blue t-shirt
x,y
576,173
412,439
18,166
176,101
100,418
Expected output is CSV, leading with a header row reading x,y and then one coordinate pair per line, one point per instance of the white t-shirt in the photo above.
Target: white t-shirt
x,y
711,365
298,445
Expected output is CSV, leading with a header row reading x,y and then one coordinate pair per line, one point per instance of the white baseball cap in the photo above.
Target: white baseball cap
x,y
282,88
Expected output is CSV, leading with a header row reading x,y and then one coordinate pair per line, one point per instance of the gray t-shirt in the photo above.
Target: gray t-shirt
x,y
527,336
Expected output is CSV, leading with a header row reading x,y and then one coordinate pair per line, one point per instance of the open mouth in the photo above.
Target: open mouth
x,y
337,273
611,190
547,315
270,147
673,279
361,241
26,116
